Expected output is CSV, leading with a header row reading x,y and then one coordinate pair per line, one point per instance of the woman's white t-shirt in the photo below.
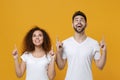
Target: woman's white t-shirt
x,y
36,68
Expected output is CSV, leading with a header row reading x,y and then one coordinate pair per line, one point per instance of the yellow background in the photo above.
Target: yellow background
x,y
18,16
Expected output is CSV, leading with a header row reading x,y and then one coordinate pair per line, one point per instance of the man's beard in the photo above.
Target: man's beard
x,y
79,31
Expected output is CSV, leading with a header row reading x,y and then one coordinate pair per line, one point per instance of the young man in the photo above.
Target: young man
x,y
79,51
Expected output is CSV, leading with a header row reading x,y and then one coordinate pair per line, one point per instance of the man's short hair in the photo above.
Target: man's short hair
x,y
79,13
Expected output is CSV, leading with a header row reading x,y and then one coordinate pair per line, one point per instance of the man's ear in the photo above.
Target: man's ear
x,y
86,24
72,24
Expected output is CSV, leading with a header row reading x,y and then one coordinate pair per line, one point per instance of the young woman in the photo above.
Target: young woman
x,y
38,58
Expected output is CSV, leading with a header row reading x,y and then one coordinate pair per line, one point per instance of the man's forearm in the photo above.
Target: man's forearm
x,y
60,62
102,61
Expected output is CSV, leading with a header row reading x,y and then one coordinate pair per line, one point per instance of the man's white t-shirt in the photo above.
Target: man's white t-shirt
x,y
79,57
36,68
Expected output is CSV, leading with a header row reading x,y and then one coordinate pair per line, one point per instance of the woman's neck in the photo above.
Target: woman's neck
x,y
38,52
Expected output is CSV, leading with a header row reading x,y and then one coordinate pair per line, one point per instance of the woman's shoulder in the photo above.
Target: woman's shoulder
x,y
26,53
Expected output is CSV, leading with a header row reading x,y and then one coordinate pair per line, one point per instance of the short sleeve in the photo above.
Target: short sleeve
x,y
24,57
64,56
49,57
97,51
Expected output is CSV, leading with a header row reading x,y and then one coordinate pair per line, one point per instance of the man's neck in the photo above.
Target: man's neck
x,y
80,37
